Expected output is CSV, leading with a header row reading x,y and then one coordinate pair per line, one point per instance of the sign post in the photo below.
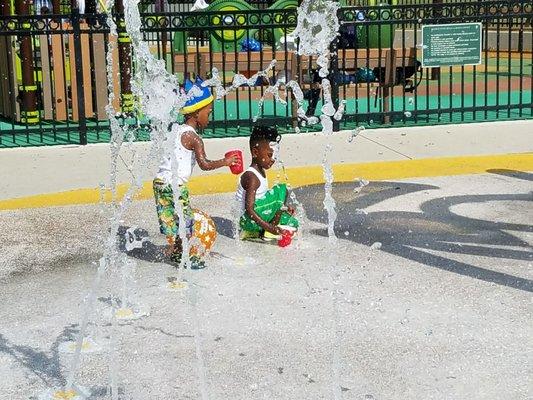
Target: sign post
x,y
451,44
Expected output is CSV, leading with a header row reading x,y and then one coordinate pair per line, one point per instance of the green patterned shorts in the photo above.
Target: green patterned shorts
x,y
166,213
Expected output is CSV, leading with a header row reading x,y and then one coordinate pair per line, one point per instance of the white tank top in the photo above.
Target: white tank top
x,y
240,196
184,157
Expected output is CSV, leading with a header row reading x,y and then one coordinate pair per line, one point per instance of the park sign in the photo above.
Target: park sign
x,y
451,44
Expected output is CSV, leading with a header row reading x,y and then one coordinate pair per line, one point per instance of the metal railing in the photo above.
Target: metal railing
x,y
54,88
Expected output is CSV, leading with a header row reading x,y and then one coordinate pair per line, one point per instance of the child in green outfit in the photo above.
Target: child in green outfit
x,y
264,212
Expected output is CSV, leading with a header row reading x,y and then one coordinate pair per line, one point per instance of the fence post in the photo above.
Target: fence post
x,y
334,78
435,72
78,59
56,7
124,55
5,8
28,89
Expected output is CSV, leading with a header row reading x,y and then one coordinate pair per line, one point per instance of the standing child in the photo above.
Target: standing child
x,y
188,149
262,210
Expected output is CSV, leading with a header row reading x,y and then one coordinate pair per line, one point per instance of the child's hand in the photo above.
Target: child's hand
x,y
288,209
285,232
232,160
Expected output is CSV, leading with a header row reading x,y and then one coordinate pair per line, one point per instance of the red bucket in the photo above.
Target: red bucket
x,y
236,168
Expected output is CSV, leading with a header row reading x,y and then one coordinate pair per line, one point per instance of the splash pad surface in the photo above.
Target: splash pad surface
x,y
446,293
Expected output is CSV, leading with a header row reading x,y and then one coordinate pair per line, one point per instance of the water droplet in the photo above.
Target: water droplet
x,y
355,133
360,184
376,246
312,120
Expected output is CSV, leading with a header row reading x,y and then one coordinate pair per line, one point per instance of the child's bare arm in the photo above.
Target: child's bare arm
x,y
192,141
250,184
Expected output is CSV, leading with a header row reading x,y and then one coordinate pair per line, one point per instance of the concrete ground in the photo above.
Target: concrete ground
x,y
426,295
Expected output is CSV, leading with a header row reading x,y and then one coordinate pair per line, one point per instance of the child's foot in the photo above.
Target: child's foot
x,y
197,263
194,261
175,257
268,237
247,235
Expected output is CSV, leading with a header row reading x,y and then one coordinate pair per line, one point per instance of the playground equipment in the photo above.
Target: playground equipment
x,y
381,35
26,89
229,36
221,39
279,18
39,73
54,78
229,39
40,79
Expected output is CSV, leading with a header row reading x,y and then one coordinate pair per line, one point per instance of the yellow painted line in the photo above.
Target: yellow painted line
x,y
299,176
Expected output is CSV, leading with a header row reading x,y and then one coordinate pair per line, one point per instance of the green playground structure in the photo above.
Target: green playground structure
x,y
229,36
228,39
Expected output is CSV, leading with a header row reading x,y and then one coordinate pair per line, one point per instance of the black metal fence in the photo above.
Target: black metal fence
x,y
54,88
408,94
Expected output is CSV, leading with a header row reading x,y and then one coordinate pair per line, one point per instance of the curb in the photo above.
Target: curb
x,y
297,176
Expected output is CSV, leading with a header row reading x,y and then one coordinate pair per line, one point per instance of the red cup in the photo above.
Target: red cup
x,y
235,168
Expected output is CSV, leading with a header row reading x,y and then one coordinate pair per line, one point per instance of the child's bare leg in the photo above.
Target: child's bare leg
x,y
175,249
178,246
170,248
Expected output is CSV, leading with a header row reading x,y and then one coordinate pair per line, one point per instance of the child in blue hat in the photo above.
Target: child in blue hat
x,y
188,148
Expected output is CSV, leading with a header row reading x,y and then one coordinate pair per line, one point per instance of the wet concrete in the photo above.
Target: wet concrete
x,y
442,310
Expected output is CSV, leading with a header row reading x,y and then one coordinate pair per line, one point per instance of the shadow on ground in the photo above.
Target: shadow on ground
x,y
414,235
146,250
46,365
411,235
129,237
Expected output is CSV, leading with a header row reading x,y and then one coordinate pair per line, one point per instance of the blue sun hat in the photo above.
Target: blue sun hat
x,y
200,97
